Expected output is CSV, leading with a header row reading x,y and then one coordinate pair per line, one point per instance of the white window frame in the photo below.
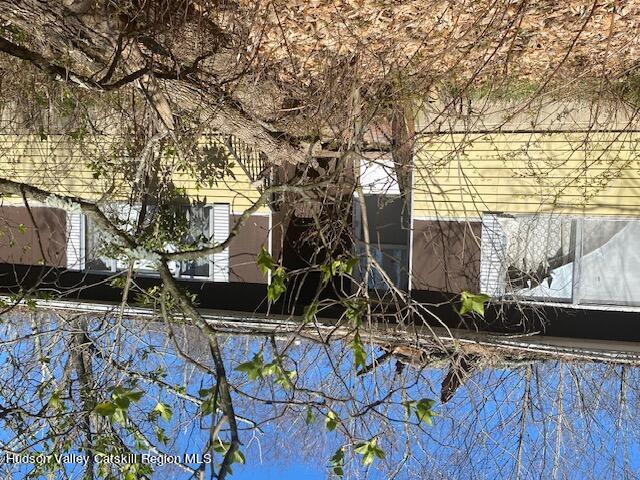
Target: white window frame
x,y
220,259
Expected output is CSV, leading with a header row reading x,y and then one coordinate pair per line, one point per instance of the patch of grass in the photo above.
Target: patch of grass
x,y
627,88
509,89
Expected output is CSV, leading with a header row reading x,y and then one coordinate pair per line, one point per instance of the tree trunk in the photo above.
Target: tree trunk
x,y
228,117
402,132
88,36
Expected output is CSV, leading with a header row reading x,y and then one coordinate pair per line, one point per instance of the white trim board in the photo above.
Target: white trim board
x,y
446,219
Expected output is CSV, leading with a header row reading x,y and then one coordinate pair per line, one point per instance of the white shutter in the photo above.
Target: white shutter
x,y
220,234
493,248
75,241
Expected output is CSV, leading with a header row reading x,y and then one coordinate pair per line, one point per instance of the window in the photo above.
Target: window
x,y
96,241
388,235
552,258
205,223
200,223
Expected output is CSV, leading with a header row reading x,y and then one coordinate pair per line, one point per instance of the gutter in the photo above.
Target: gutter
x,y
326,330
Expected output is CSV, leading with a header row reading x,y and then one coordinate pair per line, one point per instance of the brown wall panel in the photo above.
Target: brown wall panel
x,y
19,236
446,256
245,247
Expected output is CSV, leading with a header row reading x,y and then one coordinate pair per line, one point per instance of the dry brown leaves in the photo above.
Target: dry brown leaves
x,y
437,39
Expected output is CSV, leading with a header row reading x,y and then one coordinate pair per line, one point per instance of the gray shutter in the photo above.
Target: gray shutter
x,y
220,234
493,247
75,241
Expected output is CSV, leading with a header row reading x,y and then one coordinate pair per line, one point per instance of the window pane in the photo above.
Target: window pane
x,y
392,259
199,221
609,266
539,256
94,242
196,268
199,230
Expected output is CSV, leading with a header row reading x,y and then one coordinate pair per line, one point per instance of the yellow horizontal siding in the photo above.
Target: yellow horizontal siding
x,y
61,165
464,175
53,164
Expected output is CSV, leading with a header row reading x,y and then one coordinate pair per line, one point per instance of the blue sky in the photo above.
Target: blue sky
x,y
278,472
572,420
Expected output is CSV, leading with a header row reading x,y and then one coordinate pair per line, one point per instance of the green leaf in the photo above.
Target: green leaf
x,y
359,354
163,410
274,291
310,312
270,369
423,409
120,416
264,261
238,457
223,447
369,451
208,406
352,262
122,397
336,267
310,417
205,392
337,462
409,406
54,401
424,412
354,311
161,435
361,448
473,303
122,402
220,446
106,409
285,378
133,395
22,228
331,421
326,273
277,286
253,368
139,441
378,452
368,458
